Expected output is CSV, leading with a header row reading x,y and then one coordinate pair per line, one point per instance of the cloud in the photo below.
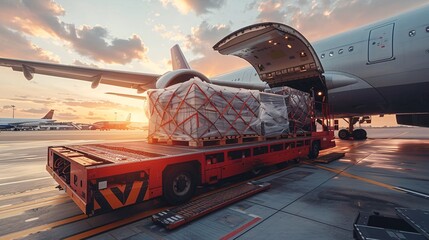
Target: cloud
x,y
102,104
198,6
92,42
42,19
7,106
16,45
319,19
36,110
80,63
66,116
171,33
201,40
33,100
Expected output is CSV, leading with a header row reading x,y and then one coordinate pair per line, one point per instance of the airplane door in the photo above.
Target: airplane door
x,y
380,44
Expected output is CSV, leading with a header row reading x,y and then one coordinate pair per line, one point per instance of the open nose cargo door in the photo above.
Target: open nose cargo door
x,y
280,54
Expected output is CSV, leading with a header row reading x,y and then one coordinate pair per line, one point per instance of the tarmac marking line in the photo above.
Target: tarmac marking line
x,y
240,229
23,181
367,180
114,225
44,227
15,210
26,193
413,192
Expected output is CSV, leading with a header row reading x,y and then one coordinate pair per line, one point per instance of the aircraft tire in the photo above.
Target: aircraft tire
x,y
314,151
359,134
344,134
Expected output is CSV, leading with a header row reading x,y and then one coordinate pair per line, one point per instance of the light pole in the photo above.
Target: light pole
x,y
13,111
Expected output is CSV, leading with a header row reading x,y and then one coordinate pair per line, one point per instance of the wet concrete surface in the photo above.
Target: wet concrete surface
x,y
304,202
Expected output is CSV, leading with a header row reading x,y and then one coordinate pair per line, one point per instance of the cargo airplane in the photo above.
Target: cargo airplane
x,y
21,123
108,125
380,68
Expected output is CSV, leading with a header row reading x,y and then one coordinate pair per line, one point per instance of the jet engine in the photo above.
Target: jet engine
x,y
419,120
179,76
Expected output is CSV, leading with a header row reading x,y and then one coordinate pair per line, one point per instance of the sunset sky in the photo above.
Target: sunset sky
x,y
136,35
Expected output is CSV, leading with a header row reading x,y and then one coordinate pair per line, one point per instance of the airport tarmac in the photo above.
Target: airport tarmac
x,y
307,201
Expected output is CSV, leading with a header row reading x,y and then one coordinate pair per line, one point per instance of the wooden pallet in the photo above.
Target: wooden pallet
x,y
211,141
220,141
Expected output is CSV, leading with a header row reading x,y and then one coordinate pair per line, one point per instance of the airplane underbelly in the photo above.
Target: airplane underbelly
x,y
406,98
363,101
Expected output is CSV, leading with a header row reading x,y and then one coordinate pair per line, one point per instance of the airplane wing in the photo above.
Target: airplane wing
x,y
139,81
139,97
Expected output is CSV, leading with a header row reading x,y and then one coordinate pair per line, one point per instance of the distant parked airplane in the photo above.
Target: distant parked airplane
x,y
20,123
107,125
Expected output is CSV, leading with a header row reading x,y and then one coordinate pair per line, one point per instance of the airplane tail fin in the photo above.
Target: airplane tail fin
x,y
178,60
49,115
128,117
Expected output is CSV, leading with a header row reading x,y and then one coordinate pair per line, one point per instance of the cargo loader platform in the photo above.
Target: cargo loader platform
x,y
180,215
330,157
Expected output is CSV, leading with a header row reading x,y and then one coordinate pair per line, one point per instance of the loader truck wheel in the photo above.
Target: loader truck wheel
x,y
179,185
314,150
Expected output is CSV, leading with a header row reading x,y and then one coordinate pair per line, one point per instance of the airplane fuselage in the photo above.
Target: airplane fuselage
x,y
7,123
381,68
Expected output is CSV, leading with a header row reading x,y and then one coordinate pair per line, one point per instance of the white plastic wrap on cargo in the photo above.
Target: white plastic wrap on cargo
x,y
195,110
300,108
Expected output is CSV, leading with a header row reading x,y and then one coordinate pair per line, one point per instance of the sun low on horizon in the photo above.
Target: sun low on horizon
x,y
136,36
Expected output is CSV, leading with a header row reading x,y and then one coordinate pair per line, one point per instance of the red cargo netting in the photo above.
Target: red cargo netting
x,y
300,108
195,110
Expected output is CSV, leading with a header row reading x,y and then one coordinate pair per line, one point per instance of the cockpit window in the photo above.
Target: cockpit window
x,y
427,29
412,33
322,56
331,53
340,51
351,48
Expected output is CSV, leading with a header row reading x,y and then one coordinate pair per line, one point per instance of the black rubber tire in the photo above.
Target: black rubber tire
x,y
359,134
179,184
344,134
314,150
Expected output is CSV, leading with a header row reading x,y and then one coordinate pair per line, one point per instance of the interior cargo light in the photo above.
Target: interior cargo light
x,y
271,41
319,93
302,54
289,46
286,37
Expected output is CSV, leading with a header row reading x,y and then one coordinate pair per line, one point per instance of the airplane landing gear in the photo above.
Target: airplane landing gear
x,y
357,134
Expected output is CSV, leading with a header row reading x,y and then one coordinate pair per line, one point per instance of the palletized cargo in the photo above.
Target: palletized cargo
x,y
196,110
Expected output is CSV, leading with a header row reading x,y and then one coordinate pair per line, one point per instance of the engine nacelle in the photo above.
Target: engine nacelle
x,y
420,120
179,76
